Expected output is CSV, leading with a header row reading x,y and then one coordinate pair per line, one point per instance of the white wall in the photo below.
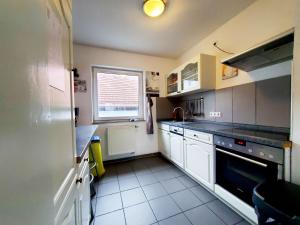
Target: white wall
x,y
85,57
296,102
262,20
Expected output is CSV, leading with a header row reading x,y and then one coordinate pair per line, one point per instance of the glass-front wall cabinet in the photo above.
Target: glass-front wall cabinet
x,y
190,76
198,73
172,83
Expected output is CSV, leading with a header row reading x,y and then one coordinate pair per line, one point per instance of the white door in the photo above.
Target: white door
x,y
84,196
176,145
199,161
164,142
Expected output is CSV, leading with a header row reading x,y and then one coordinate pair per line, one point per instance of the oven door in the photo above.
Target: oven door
x,y
239,173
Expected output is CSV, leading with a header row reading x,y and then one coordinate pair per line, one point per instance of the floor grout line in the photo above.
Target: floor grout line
x,y
122,202
147,167
216,215
186,188
148,203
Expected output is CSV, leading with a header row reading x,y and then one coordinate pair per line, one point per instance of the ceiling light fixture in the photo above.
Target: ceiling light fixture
x,y
154,8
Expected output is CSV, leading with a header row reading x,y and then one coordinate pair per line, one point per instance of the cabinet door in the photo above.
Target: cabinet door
x,y
66,202
172,83
176,143
84,196
190,77
164,142
70,218
199,161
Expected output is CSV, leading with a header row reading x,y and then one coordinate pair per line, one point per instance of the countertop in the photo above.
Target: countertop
x,y
83,138
251,133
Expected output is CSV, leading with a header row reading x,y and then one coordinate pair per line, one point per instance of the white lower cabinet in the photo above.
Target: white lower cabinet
x,y
164,142
194,153
83,189
73,199
199,161
71,216
66,201
176,146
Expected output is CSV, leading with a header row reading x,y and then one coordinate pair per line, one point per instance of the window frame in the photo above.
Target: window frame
x,y
122,71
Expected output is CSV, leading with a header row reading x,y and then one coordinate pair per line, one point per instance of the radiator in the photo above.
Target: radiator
x,y
121,139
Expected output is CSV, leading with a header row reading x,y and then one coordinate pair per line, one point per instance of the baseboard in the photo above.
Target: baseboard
x,y
113,161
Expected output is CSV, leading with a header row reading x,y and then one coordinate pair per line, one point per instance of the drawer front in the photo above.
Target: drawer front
x,y
199,136
177,130
83,162
163,126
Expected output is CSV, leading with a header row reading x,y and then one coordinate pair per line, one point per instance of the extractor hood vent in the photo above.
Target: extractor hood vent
x,y
272,52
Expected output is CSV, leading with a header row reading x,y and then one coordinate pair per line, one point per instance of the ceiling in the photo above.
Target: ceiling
x,y
122,25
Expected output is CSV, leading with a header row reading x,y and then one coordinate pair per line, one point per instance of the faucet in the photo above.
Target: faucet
x,y
182,112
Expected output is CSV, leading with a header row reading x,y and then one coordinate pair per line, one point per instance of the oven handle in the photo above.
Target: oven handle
x,y
244,158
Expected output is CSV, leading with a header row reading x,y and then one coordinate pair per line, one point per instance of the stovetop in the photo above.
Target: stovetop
x,y
257,134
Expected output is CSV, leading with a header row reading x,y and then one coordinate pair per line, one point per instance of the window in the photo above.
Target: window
x,y
118,94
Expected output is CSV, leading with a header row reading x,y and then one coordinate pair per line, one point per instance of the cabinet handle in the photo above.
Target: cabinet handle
x,y
195,135
79,180
91,178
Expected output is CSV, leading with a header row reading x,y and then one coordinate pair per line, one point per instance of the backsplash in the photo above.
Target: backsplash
x,y
266,103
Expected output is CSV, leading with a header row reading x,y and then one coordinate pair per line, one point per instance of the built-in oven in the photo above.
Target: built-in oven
x,y
241,165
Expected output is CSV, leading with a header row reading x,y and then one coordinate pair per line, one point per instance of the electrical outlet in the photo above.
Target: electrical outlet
x,y
218,114
215,114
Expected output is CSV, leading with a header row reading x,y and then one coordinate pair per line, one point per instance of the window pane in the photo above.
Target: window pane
x,y
118,95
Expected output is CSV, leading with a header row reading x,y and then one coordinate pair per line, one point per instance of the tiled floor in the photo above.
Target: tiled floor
x,y
153,191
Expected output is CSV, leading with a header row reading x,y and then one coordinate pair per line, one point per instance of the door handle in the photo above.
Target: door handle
x,y
79,180
243,158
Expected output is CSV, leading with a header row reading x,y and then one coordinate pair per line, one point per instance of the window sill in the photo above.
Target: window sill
x,y
117,121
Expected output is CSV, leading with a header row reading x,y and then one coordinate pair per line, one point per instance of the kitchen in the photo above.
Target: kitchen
x,y
189,152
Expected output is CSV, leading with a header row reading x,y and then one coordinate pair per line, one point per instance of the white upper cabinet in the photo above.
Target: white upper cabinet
x,y
173,85
197,74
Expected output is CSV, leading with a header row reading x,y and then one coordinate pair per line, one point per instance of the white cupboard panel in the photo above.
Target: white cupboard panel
x,y
164,142
70,218
176,142
199,160
66,202
84,195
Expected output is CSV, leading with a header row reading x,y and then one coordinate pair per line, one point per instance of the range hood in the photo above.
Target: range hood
x,y
274,51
